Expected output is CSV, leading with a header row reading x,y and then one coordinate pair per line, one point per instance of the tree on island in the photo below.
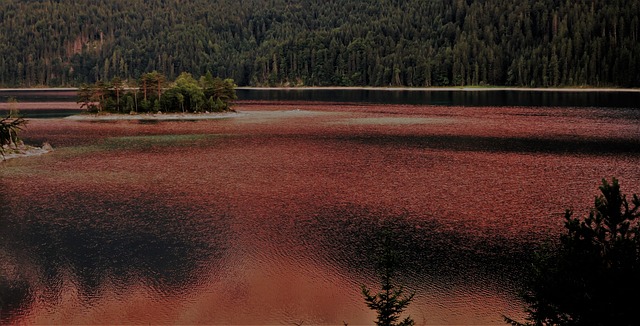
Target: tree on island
x,y
218,92
86,98
118,87
94,98
591,278
185,94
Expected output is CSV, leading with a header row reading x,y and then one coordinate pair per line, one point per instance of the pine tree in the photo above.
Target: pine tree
x,y
591,277
391,301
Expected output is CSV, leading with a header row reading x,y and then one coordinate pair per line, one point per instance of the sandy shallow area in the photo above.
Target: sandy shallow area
x,y
27,152
155,116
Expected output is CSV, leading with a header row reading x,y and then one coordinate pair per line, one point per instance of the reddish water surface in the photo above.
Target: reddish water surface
x,y
274,216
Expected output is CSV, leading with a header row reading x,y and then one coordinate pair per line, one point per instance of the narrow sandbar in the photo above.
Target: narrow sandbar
x,y
27,152
155,116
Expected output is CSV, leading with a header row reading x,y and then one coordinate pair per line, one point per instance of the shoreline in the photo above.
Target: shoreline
x,y
153,116
29,151
449,89
380,88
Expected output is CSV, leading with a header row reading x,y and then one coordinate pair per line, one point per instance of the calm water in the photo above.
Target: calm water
x,y
274,216
480,97
55,101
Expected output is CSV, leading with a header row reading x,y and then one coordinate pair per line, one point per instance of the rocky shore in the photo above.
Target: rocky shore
x,y
22,150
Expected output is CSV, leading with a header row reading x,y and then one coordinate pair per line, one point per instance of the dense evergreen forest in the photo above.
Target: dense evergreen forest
x,y
537,43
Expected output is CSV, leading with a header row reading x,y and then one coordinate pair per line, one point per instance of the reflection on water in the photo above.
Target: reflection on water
x,y
451,97
423,245
480,97
508,144
100,243
274,216
38,95
43,113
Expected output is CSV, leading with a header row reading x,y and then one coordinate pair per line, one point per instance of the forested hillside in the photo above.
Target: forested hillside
x,y
536,43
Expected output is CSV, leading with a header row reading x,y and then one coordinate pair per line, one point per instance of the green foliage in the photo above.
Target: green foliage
x,y
185,94
391,301
317,43
591,278
145,105
218,92
117,86
9,128
190,91
87,97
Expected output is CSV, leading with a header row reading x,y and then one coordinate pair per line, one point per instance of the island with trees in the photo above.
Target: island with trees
x,y
154,93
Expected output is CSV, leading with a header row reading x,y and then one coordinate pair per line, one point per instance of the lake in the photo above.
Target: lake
x,y
276,215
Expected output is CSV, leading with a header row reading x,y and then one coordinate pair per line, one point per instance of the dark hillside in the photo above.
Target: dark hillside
x,y
538,43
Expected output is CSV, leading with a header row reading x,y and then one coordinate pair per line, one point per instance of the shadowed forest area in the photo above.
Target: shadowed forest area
x,y
538,43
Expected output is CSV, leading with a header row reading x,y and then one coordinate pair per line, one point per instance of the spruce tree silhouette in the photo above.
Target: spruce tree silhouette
x,y
591,278
391,301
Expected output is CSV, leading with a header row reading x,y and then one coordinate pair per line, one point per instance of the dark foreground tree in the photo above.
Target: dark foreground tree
x,y
391,301
9,128
592,277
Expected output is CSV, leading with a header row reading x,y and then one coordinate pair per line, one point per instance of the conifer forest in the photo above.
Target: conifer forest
x,y
413,43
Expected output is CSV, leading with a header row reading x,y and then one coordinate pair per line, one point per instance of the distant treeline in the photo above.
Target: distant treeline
x,y
538,43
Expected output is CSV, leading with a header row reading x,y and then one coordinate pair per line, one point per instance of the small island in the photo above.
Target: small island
x,y
153,94
151,97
